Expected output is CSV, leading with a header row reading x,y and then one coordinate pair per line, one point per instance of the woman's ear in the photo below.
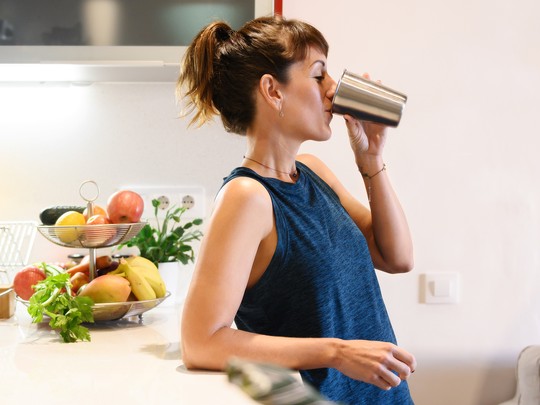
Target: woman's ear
x,y
269,88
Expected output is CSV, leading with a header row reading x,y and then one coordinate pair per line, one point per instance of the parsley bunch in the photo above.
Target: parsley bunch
x,y
53,298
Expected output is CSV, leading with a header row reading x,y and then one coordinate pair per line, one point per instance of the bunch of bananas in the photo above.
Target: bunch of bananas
x,y
144,277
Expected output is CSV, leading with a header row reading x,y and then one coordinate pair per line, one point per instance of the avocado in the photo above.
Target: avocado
x,y
50,214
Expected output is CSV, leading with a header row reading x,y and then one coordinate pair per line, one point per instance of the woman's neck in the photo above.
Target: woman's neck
x,y
271,157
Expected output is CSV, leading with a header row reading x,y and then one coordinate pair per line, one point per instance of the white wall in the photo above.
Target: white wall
x,y
53,138
463,162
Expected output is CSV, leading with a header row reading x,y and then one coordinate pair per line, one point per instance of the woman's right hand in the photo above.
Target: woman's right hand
x,y
382,364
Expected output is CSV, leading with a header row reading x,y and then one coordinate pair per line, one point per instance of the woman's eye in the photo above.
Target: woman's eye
x,y
319,78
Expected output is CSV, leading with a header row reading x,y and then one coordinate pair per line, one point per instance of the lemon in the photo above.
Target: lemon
x,y
71,219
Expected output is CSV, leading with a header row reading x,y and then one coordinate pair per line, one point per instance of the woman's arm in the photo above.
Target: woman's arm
x,y
240,225
385,226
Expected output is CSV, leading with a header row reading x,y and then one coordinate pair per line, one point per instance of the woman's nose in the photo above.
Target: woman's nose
x,y
331,88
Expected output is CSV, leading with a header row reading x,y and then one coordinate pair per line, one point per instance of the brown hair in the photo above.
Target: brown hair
x,y
222,67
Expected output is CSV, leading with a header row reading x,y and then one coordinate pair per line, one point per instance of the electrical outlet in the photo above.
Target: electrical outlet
x,y
191,197
188,201
164,202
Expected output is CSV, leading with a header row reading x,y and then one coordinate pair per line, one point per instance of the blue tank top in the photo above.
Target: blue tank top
x,y
320,282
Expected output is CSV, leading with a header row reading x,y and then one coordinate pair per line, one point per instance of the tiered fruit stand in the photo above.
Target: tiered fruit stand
x,y
93,237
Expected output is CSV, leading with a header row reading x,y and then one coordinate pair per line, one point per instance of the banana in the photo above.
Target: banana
x,y
139,286
150,272
141,261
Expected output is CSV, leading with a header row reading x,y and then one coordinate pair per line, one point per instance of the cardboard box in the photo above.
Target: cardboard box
x,y
7,301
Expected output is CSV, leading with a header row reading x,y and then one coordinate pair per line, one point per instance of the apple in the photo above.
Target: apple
x,y
125,206
25,279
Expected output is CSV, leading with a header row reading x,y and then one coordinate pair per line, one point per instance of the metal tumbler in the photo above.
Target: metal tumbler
x,y
367,100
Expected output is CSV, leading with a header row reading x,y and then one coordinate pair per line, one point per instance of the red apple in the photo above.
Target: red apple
x,y
25,279
125,206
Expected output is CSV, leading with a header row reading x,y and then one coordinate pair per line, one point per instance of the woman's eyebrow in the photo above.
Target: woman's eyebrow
x,y
322,62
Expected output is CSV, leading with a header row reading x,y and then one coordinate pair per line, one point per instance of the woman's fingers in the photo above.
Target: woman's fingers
x,y
406,358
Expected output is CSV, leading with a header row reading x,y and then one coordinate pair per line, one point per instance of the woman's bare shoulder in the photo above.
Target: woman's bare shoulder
x,y
243,200
244,190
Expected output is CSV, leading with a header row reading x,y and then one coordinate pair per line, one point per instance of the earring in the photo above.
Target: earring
x,y
281,115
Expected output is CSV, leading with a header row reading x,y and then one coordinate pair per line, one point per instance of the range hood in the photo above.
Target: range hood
x,y
83,72
38,64
123,41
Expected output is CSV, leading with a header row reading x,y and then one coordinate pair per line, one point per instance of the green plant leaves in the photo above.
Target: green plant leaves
x,y
169,241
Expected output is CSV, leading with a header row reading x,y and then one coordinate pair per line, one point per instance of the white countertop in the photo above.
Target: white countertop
x,y
127,362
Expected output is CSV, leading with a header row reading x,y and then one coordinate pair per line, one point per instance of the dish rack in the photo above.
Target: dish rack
x,y
16,242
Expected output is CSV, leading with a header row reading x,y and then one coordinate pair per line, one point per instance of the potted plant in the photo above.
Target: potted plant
x,y
169,240
169,244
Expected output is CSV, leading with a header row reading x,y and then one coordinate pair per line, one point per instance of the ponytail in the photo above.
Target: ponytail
x,y
197,74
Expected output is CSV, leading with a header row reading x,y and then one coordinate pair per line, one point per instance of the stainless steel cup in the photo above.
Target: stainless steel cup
x,y
367,100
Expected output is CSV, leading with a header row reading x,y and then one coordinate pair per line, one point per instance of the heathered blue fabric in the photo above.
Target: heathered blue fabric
x,y
320,283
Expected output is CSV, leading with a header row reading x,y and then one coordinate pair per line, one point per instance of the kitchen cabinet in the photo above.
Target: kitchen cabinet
x,y
109,40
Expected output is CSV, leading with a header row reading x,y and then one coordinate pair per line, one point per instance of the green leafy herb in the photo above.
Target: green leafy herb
x,y
53,298
169,241
49,269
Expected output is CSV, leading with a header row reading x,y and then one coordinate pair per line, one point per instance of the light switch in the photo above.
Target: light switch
x,y
441,288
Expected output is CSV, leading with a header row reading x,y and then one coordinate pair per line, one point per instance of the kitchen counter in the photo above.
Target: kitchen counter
x,y
127,362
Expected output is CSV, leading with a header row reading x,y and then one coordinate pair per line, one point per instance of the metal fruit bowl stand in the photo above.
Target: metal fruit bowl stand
x,y
113,311
95,237
90,236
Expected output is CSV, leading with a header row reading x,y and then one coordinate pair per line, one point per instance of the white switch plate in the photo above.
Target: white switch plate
x,y
174,195
440,288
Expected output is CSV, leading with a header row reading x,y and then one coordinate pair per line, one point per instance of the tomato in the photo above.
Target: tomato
x,y
25,279
125,206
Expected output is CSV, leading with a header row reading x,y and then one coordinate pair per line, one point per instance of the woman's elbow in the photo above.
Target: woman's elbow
x,y
403,268
189,360
193,355
200,353
402,264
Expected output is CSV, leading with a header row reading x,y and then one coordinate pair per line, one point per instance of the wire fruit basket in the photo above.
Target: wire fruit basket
x,y
90,236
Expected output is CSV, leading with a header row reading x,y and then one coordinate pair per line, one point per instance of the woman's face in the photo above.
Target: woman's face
x,y
307,98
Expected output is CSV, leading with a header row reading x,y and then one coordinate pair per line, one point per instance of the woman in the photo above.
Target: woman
x,y
289,254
